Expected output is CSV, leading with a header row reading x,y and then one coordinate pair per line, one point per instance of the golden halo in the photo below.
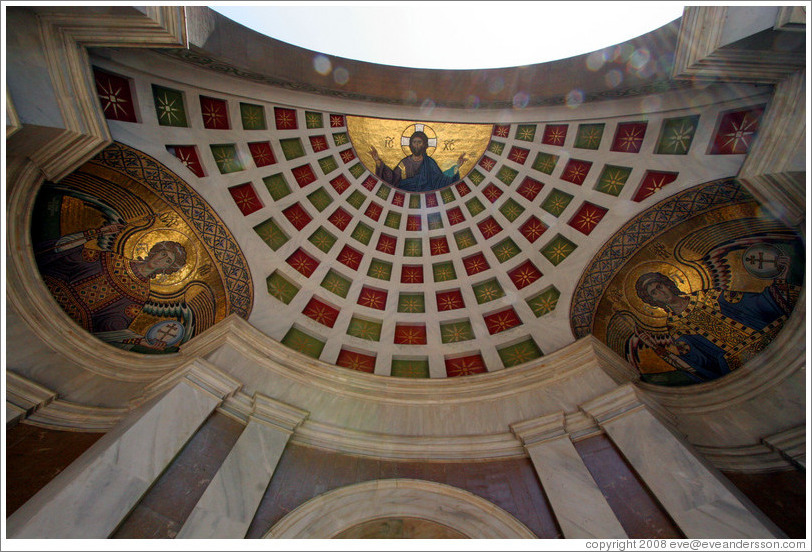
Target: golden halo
x,y
411,129
647,312
167,282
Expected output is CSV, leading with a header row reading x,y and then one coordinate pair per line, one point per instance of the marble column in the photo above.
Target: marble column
x,y
691,490
230,501
579,506
91,496
23,397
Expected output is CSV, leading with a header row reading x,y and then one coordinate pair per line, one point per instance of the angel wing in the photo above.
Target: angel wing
x,y
197,313
111,214
716,262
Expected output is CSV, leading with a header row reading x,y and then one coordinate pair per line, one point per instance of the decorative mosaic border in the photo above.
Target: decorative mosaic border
x,y
201,216
637,233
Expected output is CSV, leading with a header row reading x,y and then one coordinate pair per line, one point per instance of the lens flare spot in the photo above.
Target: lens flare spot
x,y
427,107
322,65
341,75
496,85
596,60
472,102
639,59
651,104
575,98
613,78
520,100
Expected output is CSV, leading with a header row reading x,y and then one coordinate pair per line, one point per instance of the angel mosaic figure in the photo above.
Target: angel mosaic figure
x,y
713,331
101,290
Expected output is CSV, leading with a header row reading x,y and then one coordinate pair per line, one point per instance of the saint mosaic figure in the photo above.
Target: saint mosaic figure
x,y
104,291
417,172
711,332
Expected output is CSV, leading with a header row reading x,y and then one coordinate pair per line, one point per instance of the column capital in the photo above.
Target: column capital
x,y
613,404
210,379
282,416
538,430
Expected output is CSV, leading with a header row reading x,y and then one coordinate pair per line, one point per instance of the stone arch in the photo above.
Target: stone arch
x,y
331,513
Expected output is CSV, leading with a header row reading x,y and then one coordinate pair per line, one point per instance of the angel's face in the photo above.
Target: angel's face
x,y
658,292
161,260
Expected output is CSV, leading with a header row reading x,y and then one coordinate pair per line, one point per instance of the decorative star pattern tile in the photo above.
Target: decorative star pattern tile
x,y
340,219
115,96
411,303
544,302
372,298
303,342
313,119
410,368
444,272
524,274
612,179
489,227
629,137
340,184
455,216
277,186
321,312
576,171
492,192
587,217
281,288
302,262
320,199
214,112
545,162
488,290
439,245
411,274
502,320
226,158
379,269
298,216
519,353
188,156
554,135
169,106
475,264
456,332
262,153
529,188
350,257
285,118
387,244
363,328
449,300
676,135
354,360
465,365
304,175
410,334
336,283
652,182
558,249
589,136
556,202
736,131
253,116
532,229
246,198
322,239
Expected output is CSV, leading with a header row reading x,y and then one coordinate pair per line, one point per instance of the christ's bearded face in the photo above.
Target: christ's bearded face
x,y
418,145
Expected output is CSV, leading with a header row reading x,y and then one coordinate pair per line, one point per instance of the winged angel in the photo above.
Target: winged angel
x,y
105,292
710,332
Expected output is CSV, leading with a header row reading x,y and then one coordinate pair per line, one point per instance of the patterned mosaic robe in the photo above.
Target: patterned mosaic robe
x,y
723,329
98,289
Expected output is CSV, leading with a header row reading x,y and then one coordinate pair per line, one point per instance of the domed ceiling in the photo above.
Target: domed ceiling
x,y
540,238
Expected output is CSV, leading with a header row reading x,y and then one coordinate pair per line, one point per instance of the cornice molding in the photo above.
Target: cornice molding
x,y
614,404
281,416
68,416
496,446
700,54
756,458
13,123
790,444
65,33
541,429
